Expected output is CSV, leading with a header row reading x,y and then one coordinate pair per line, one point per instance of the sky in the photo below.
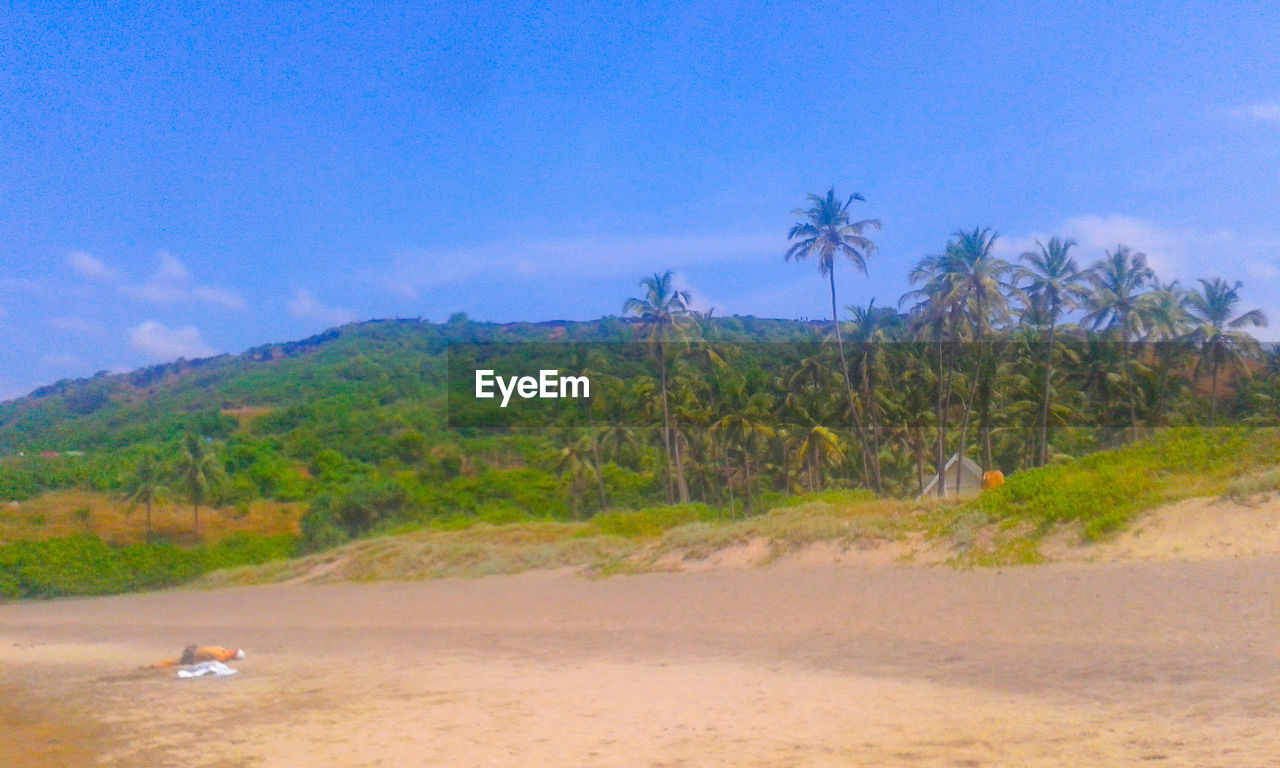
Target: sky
x,y
186,180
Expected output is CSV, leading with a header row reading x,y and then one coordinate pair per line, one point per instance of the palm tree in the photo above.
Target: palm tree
x,y
1165,325
1116,305
979,279
197,472
872,326
1164,312
828,231
144,486
820,447
936,316
1055,285
967,280
1218,333
662,310
579,461
745,429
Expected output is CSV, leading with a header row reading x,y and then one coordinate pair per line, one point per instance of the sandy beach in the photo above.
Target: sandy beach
x,y
1116,663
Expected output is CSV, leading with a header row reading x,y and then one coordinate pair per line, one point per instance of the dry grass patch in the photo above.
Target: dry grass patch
x,y
66,513
480,550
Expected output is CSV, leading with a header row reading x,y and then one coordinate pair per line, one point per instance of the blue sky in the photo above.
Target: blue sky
x,y
189,180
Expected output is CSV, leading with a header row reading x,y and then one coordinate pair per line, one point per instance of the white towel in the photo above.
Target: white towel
x,y
208,668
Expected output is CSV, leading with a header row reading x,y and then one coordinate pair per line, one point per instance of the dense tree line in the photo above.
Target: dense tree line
x,y
1015,362
1011,362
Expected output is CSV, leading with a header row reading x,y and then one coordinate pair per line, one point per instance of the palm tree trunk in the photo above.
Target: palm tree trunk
x,y
1128,377
666,423
681,485
1213,391
873,420
195,517
964,422
984,428
148,521
944,381
1042,454
595,455
856,415
917,443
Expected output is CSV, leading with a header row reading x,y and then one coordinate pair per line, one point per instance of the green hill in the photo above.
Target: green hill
x,y
354,415
352,426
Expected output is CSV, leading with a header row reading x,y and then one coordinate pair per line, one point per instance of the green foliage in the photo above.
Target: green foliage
x,y
85,565
352,421
22,477
337,517
651,521
1104,490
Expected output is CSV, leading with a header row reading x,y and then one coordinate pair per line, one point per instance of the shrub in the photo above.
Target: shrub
x,y
85,565
651,521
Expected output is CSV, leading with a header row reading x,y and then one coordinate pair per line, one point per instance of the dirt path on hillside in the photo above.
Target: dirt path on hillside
x,y
1174,664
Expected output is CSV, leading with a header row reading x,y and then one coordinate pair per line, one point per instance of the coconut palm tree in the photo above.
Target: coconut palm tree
x,y
968,280
144,487
871,327
827,231
1163,310
745,429
819,447
1055,285
663,310
979,280
198,471
1116,305
1165,326
578,461
1218,333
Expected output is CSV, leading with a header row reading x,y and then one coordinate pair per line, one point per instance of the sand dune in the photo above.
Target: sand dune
x,y
797,664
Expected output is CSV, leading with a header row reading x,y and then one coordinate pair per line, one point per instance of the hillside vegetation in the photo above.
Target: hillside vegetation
x,y
373,428
1088,499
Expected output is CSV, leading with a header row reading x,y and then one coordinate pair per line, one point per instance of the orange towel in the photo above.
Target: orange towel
x,y
193,655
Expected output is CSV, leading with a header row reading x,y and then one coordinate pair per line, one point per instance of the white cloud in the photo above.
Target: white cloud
x,y
1167,250
412,271
1185,254
86,265
304,304
698,301
1010,247
171,270
172,284
163,343
1173,252
1261,111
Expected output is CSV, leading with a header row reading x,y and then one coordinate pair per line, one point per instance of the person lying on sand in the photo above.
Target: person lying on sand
x,y
194,654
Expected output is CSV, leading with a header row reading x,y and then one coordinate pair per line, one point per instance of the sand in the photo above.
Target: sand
x,y
797,664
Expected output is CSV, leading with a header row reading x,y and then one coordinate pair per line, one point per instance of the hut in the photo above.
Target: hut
x,y
970,478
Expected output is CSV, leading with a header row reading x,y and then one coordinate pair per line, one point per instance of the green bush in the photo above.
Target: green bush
x,y
651,521
85,565
1103,491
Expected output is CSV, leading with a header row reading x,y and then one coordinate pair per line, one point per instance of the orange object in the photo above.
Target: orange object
x,y
193,655
992,479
